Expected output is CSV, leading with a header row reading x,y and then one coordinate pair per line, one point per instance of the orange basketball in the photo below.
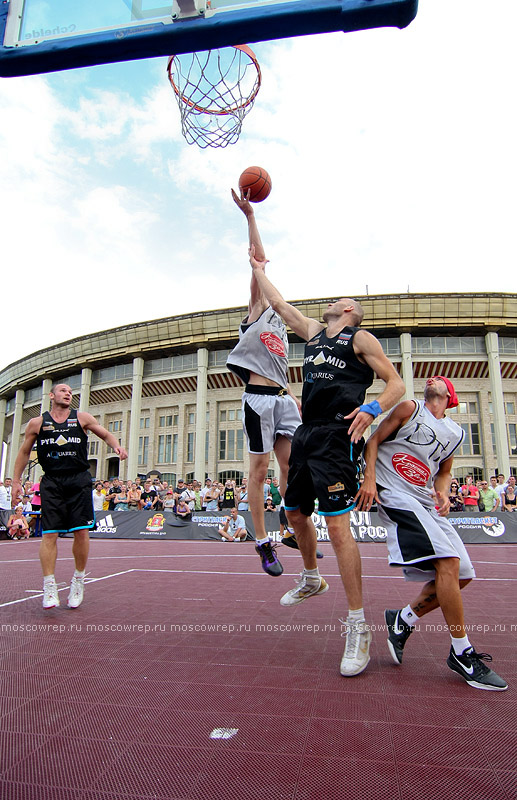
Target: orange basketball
x,y
257,181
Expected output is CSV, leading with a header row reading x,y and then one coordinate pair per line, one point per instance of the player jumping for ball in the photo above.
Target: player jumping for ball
x,y
339,366
408,470
270,412
66,487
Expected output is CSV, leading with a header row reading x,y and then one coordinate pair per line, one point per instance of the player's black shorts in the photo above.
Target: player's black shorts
x,y
324,464
66,502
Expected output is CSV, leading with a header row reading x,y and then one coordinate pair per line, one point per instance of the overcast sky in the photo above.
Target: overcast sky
x,y
392,156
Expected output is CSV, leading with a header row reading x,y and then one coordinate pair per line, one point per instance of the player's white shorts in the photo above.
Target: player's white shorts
x,y
417,535
266,416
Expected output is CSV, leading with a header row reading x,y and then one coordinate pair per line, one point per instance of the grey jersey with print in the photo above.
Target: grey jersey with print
x,y
410,458
262,348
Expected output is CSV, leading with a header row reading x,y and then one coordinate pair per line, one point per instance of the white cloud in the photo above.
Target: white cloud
x,y
392,155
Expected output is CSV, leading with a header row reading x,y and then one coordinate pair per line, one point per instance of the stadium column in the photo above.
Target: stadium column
x,y
496,388
86,385
407,365
201,395
17,428
46,386
3,406
136,407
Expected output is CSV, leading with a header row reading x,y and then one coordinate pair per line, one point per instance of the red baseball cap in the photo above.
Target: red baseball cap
x,y
453,397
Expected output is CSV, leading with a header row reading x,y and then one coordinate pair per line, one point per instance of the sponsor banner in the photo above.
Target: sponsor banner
x,y
366,527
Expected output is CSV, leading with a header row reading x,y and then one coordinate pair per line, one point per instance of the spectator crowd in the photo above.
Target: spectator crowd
x,y
152,494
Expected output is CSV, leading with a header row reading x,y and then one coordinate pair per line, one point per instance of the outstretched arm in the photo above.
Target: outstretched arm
x,y
305,327
258,302
89,423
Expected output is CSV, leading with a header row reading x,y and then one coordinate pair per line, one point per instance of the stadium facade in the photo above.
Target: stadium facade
x,y
163,389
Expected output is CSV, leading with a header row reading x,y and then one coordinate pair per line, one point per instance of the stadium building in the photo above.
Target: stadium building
x,y
163,389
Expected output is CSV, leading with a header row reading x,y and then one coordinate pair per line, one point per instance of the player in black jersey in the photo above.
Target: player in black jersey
x,y
66,487
340,363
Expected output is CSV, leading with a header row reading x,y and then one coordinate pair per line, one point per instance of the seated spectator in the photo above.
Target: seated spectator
x,y
182,510
169,503
269,505
17,525
455,498
488,498
509,498
133,496
26,504
234,528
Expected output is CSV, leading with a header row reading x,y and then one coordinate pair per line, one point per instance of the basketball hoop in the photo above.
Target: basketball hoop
x,y
215,90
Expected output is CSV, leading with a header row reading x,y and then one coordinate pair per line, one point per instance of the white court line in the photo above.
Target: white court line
x,y
40,594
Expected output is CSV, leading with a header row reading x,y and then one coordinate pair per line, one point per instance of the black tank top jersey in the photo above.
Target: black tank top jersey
x,y
62,446
334,380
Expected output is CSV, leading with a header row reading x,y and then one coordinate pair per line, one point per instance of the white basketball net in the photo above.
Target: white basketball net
x,y
215,90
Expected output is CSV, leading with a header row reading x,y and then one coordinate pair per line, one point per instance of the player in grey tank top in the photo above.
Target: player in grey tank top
x,y
270,412
408,471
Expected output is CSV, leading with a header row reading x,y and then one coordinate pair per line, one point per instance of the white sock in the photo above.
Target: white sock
x,y
460,645
78,574
289,530
263,541
312,573
48,579
409,616
357,615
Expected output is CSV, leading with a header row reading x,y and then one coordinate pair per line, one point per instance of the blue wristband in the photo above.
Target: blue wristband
x,y
372,408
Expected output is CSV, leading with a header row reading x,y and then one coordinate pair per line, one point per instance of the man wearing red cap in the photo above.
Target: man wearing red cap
x,y
408,472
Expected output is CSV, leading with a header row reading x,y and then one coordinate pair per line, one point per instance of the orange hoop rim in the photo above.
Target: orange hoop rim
x,y
226,112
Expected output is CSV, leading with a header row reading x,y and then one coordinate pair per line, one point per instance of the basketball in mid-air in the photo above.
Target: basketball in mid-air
x,y
257,181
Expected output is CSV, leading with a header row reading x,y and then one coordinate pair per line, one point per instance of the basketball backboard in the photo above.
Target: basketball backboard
x,y
38,36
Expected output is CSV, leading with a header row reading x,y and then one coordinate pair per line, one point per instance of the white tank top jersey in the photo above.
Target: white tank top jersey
x,y
263,348
411,457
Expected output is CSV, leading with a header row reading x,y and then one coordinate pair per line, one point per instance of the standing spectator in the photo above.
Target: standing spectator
x,y
169,503
17,525
242,494
121,501
212,497
275,492
198,500
510,498
267,488
133,496
180,488
488,497
8,488
5,505
114,491
35,497
204,490
470,494
66,487
228,495
98,497
26,504
269,505
149,497
498,487
455,498
189,496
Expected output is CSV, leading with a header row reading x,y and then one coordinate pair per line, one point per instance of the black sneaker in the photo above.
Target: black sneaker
x,y
270,562
398,633
290,541
471,668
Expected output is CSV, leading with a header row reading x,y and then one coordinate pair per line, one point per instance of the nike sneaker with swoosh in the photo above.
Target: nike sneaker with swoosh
x,y
398,633
471,668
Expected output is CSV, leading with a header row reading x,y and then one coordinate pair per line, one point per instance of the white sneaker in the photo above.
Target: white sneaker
x,y
357,649
50,595
75,598
306,586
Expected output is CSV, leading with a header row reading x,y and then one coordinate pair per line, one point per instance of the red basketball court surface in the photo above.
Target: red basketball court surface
x,y
181,677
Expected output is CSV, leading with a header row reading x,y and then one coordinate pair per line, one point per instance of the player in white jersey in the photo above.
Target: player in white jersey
x,y
408,472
